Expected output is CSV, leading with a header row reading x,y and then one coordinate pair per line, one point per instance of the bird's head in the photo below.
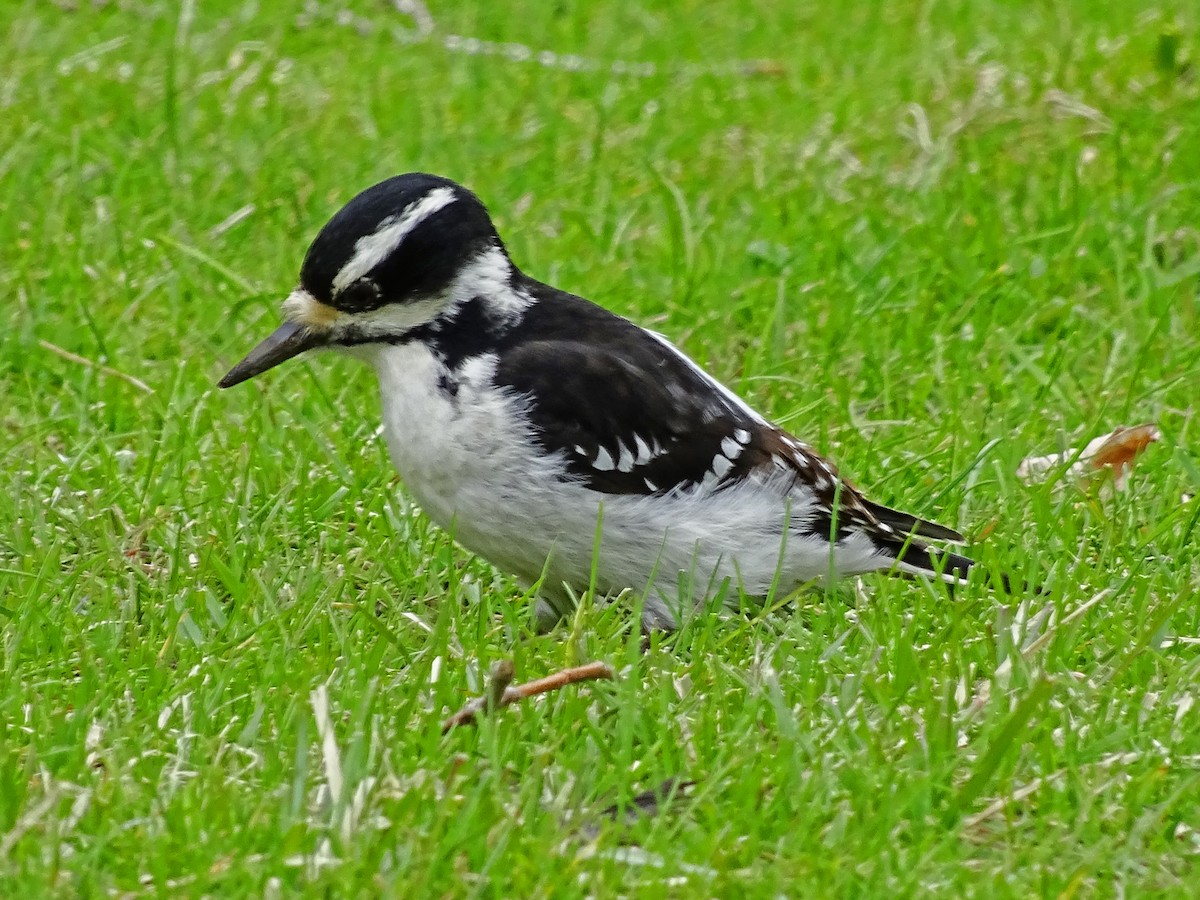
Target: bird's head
x,y
400,255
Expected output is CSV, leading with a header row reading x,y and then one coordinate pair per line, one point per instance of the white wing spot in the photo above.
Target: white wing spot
x,y
579,449
721,466
650,484
604,460
731,448
742,436
625,463
644,455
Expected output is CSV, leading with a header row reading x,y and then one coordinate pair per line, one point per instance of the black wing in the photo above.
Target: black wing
x,y
631,416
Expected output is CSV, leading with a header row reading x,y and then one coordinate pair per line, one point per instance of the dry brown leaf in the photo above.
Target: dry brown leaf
x,y
1123,445
1116,450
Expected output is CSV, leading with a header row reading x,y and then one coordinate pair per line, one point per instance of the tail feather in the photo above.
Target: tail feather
x,y
916,558
906,523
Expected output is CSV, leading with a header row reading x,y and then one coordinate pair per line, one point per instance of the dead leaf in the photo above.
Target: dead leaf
x,y
1116,451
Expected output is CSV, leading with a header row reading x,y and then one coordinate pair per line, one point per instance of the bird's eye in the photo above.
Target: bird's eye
x,y
360,296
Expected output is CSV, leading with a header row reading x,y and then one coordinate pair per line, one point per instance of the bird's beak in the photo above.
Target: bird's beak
x,y
288,340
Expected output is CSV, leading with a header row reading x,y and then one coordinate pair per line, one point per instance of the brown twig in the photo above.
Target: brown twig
x,y
501,692
92,364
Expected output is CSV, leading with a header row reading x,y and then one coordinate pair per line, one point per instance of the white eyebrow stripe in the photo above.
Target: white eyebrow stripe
x,y
371,250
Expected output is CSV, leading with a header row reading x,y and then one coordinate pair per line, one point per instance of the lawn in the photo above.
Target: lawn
x,y
931,238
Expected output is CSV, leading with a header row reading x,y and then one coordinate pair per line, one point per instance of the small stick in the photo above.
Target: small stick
x,y
92,364
502,693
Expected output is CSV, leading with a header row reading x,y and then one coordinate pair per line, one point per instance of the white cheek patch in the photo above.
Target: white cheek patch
x,y
390,321
371,250
383,323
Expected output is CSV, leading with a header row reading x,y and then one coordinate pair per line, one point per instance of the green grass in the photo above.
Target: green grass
x,y
930,238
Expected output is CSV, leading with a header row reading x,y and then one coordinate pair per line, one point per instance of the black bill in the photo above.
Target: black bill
x,y
286,341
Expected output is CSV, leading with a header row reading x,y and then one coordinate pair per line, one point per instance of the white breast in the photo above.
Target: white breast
x,y
467,457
